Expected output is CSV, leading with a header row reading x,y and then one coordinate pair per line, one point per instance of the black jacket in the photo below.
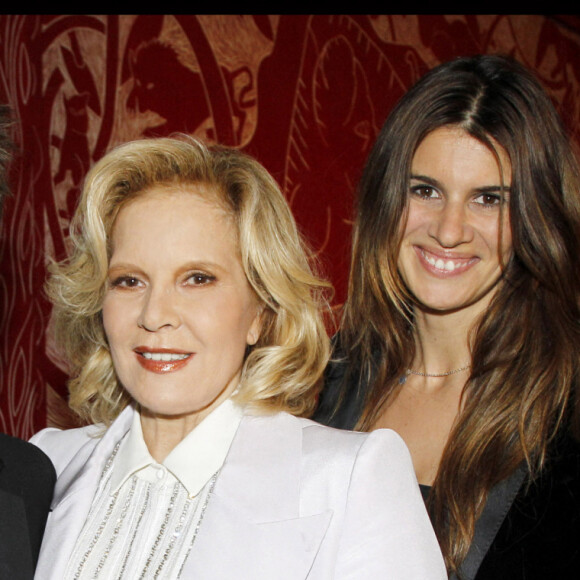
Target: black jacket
x,y
528,530
27,480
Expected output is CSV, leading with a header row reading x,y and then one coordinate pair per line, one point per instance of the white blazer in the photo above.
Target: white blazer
x,y
294,500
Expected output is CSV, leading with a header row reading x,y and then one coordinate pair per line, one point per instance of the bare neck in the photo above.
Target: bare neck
x,y
441,342
163,434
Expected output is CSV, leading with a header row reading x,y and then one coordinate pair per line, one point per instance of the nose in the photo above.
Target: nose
x,y
159,311
450,226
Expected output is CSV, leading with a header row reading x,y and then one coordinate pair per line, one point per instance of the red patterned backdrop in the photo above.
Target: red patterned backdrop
x,y
304,94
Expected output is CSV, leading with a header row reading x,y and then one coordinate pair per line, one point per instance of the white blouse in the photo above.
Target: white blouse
x,y
145,516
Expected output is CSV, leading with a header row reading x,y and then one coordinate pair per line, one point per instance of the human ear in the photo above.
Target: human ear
x,y
255,330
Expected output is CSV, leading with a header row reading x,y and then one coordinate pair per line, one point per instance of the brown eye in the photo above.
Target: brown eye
x,y
125,282
200,279
425,191
488,199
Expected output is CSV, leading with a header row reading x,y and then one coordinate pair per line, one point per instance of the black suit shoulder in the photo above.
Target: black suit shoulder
x,y
27,479
540,536
23,466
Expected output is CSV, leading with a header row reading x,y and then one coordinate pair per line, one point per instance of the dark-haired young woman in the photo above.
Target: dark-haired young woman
x,y
462,327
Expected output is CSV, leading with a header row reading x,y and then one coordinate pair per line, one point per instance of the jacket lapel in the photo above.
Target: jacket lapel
x,y
499,501
73,496
252,527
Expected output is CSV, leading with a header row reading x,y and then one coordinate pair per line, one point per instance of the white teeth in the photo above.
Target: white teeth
x,y
441,264
163,356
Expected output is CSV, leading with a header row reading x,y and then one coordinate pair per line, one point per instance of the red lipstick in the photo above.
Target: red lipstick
x,y
162,360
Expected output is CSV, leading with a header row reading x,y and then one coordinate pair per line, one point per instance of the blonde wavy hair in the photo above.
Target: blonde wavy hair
x,y
282,370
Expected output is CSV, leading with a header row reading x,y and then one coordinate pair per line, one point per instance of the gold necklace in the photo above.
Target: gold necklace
x,y
454,371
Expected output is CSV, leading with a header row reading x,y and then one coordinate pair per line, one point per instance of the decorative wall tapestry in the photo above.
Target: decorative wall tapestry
x,y
306,95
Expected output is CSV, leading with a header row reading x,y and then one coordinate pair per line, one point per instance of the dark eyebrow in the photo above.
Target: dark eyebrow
x,y
429,180
494,189
484,189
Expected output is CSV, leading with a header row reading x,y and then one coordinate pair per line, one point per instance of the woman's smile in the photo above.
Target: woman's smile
x,y
444,264
162,360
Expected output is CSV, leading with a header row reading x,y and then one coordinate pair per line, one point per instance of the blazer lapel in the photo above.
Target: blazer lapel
x,y
499,501
252,527
73,496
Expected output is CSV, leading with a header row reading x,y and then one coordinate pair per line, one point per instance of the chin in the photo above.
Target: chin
x,y
167,407
437,304
442,305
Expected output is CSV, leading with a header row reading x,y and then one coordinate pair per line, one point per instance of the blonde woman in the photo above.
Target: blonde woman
x,y
192,322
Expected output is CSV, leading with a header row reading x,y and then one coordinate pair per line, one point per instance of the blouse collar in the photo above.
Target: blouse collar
x,y
193,461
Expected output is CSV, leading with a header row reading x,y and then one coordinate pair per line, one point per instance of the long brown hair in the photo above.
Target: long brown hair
x,y
524,377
